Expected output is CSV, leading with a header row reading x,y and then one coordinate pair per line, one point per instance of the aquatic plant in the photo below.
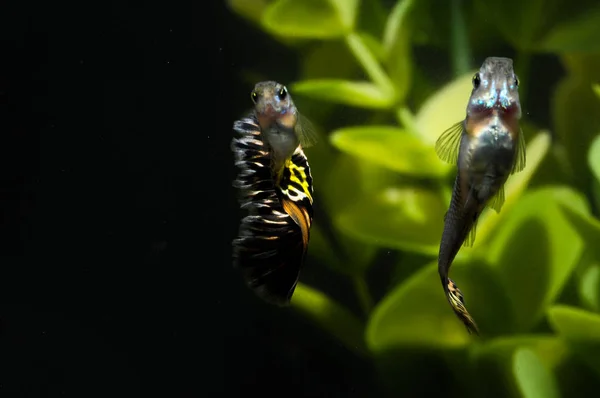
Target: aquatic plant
x,y
532,279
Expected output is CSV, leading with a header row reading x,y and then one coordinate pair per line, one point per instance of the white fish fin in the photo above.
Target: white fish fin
x,y
305,132
520,160
471,236
448,145
497,200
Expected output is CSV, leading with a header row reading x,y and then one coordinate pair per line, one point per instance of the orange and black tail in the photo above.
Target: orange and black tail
x,y
457,302
273,236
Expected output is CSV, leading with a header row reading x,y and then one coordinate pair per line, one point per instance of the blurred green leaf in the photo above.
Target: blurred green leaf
x,y
390,147
594,156
596,88
307,19
532,377
346,9
331,316
404,217
396,45
252,10
373,45
493,362
446,107
586,226
394,26
589,287
578,34
581,329
359,94
336,187
417,313
535,251
515,186
549,348
368,61
574,109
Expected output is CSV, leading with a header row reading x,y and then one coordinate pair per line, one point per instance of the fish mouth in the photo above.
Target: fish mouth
x,y
271,111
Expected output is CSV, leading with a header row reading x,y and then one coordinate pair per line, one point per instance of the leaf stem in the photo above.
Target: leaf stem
x,y
362,291
407,120
369,63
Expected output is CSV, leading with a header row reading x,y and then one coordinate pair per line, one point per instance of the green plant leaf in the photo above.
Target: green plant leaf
x,y
390,147
397,47
252,10
515,186
331,316
416,313
533,379
493,362
306,19
368,61
374,46
581,329
579,34
594,156
400,217
576,118
446,107
359,94
551,349
596,88
346,10
535,251
589,287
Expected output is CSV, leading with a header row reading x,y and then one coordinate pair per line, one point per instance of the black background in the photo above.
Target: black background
x,y
118,210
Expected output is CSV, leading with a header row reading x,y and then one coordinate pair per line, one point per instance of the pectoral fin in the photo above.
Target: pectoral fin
x,y
470,239
520,158
448,145
497,200
305,132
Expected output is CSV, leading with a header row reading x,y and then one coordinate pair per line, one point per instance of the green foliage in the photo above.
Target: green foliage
x,y
533,379
331,316
380,187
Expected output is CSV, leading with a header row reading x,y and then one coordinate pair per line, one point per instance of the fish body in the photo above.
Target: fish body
x,y
276,188
282,126
487,147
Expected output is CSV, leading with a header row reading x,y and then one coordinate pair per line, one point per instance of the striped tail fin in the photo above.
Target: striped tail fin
x,y
457,302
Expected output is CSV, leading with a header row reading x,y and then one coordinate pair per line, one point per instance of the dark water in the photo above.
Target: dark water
x,y
118,212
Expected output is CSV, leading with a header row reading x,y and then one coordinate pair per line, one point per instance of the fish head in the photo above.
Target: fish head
x,y
495,88
272,102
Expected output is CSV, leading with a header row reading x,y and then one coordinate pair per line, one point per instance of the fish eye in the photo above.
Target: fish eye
x,y
283,93
476,80
254,96
516,81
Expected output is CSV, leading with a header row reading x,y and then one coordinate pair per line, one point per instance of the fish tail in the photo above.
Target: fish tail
x,y
271,245
269,251
457,302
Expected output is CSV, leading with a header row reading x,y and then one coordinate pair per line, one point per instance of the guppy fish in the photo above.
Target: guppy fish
x,y
276,187
487,146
